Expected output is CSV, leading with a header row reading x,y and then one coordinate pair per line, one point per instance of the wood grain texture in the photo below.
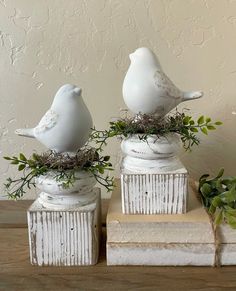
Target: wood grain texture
x,y
16,272
13,213
154,193
65,238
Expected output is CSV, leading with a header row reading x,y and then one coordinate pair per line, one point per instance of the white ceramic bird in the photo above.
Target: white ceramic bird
x,y
147,89
66,125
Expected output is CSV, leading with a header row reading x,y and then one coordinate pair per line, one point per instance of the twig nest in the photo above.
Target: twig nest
x,y
58,194
152,148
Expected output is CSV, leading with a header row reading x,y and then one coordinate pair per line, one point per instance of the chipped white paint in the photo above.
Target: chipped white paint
x,y
153,180
55,196
154,193
64,238
64,223
151,154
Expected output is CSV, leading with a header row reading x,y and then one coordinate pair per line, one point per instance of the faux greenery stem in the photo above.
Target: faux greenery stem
x,y
219,197
64,167
146,125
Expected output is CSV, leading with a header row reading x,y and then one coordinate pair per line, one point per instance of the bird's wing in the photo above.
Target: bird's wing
x,y
48,121
162,82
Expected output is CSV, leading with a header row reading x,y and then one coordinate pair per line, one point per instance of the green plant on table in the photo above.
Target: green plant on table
x,y
219,197
145,125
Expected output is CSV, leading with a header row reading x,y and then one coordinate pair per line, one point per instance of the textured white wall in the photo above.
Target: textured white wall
x,y
44,44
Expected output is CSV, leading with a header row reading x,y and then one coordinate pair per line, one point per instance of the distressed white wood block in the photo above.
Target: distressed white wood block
x,y
154,193
65,237
153,180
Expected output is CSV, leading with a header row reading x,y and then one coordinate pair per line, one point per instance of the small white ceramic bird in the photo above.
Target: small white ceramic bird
x,y
147,89
66,126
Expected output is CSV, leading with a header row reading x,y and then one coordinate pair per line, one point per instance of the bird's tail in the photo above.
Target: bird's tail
x,y
192,95
28,132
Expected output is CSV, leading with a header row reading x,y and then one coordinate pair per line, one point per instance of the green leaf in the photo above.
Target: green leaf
x,y
204,176
21,167
186,120
200,120
185,131
219,186
211,127
112,134
212,209
220,174
22,157
208,119
218,123
219,195
7,158
101,170
206,190
217,202
193,129
231,211
106,158
229,196
15,162
231,220
34,157
219,217
204,130
31,163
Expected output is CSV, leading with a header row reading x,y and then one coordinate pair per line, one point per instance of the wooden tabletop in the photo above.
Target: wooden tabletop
x,y
16,273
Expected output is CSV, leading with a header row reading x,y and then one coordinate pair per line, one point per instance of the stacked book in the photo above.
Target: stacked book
x,y
164,239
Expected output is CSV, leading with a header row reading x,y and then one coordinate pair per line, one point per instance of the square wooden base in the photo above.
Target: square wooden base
x,y
156,192
65,238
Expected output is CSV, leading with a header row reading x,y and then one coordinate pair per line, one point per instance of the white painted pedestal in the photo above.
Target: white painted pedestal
x,y
65,237
153,180
154,193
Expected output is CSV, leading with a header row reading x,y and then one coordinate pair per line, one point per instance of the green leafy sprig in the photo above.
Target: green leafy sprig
x,y
64,166
16,188
219,197
145,125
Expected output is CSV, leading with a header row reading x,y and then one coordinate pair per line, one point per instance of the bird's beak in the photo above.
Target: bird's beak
x,y
131,56
77,91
